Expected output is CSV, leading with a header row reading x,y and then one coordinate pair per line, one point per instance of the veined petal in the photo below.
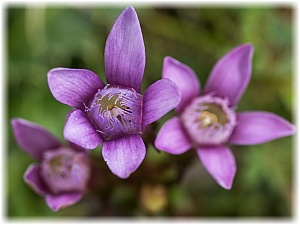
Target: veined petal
x,y
34,139
220,164
81,131
124,155
231,74
172,138
58,202
125,51
159,98
73,87
33,179
184,77
259,127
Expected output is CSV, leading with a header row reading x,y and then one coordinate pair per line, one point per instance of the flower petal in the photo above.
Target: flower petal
x,y
220,164
125,51
184,77
172,138
259,127
81,131
33,179
73,87
159,98
124,155
34,139
58,202
231,74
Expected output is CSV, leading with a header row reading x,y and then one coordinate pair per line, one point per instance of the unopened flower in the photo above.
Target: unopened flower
x,y
207,120
61,174
154,198
115,113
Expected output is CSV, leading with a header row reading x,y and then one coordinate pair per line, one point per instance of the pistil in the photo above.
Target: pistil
x,y
207,119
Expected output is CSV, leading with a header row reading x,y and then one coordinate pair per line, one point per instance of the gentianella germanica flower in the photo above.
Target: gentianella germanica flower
x,y
61,173
207,120
115,113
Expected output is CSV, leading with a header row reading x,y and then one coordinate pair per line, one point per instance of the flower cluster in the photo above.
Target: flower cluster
x,y
116,114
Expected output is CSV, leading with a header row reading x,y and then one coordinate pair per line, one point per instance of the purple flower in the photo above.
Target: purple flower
x,y
116,113
207,119
61,174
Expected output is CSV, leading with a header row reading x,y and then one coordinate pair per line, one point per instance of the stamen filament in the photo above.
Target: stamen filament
x,y
116,111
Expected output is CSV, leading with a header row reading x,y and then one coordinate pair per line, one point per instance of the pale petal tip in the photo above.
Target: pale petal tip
x,y
168,59
26,175
123,176
15,122
247,48
130,7
293,129
53,71
226,185
56,208
18,125
33,179
58,202
226,182
120,174
124,155
130,10
125,173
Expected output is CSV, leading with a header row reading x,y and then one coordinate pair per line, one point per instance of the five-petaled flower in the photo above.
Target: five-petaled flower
x,y
62,173
208,121
116,113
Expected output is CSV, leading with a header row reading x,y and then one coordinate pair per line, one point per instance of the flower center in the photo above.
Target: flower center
x,y
64,170
116,112
209,120
206,119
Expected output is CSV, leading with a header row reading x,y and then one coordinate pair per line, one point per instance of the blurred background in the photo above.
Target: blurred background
x,y
39,38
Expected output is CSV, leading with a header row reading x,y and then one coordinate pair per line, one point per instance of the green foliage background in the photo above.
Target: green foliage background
x,y
39,38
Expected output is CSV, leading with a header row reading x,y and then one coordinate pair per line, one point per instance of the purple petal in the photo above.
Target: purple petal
x,y
81,131
259,127
125,51
220,164
231,74
34,139
124,155
73,87
33,179
172,138
58,202
159,98
184,77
